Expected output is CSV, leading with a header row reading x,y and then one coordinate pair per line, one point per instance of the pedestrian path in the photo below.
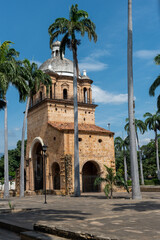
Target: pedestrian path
x,y
89,215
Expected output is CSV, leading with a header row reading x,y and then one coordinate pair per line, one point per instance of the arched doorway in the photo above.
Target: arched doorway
x,y
38,167
89,173
56,176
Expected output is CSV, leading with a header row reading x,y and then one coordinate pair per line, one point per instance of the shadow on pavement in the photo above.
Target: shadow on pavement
x,y
29,218
139,207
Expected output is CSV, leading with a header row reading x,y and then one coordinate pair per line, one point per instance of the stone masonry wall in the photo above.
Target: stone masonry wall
x,y
90,149
65,113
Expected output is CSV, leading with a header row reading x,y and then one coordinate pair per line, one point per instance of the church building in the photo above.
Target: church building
x,y
51,122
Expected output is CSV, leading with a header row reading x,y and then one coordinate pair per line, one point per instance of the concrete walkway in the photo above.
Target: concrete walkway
x,y
119,218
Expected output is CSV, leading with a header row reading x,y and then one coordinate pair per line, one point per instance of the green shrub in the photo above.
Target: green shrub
x,y
149,182
153,181
129,182
156,181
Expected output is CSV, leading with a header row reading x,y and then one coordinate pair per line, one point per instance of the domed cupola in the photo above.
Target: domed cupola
x,y
57,65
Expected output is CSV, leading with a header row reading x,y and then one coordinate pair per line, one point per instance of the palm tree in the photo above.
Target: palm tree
x,y
78,22
156,83
111,180
153,123
9,73
136,194
141,126
34,77
122,145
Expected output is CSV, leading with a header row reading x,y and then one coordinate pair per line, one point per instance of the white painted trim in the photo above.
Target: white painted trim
x,y
37,139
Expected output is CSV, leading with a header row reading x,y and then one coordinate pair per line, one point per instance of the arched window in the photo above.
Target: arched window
x,y
65,93
85,94
56,176
51,92
89,95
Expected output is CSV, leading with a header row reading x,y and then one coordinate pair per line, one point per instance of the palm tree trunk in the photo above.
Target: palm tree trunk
x,y
136,194
157,155
140,160
76,146
125,169
6,177
22,151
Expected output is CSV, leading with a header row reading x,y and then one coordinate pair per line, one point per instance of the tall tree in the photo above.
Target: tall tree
x,y
141,126
136,194
156,83
78,22
122,145
34,77
153,123
9,73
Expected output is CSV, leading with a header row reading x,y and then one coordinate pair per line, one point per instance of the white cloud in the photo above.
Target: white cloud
x,y
144,141
102,96
17,129
92,62
146,54
92,65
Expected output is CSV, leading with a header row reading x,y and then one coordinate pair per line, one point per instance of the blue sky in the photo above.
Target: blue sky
x,y
26,24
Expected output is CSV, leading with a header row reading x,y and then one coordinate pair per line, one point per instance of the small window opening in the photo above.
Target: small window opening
x,y
79,139
64,93
84,119
85,94
54,138
56,109
50,91
56,53
99,140
90,136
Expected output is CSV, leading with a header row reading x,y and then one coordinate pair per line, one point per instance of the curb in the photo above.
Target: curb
x,y
68,234
12,227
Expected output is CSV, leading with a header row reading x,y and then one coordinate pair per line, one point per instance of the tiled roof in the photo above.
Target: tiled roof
x,y
81,127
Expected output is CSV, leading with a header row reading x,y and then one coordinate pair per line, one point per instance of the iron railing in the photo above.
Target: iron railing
x,y
68,98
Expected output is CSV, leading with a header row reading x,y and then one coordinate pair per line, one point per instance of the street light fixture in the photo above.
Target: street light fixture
x,y
44,149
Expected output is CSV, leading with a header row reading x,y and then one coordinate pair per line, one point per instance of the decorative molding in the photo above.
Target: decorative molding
x,y
36,140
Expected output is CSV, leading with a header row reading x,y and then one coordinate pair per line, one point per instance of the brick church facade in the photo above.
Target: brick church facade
x,y
51,122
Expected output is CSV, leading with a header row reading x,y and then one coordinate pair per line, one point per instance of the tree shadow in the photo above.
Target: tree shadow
x,y
104,197
30,217
138,206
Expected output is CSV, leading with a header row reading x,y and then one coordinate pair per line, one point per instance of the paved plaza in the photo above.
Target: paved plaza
x,y
118,218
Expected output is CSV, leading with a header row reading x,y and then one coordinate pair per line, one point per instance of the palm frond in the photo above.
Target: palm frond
x,y
107,190
154,85
157,59
2,104
65,42
158,103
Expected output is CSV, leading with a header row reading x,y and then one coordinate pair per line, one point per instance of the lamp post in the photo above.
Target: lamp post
x,y
44,149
